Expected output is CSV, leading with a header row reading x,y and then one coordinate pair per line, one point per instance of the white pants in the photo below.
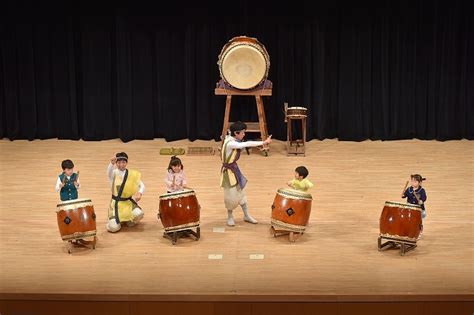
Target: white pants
x,y
113,226
234,197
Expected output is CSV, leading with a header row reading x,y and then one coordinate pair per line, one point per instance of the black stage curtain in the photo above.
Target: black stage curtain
x,y
396,70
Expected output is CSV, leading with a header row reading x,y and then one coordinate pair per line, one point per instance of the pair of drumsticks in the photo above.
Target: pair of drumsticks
x,y
414,193
65,178
174,183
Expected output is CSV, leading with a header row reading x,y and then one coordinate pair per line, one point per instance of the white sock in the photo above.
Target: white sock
x,y
230,218
247,216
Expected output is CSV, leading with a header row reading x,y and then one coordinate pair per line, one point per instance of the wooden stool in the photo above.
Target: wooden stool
x,y
295,146
261,125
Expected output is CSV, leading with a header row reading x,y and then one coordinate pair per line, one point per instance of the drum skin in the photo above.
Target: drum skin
x,y
76,219
291,210
400,221
244,63
179,210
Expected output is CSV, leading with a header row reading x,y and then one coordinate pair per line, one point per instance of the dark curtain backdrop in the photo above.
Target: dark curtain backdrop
x,y
394,70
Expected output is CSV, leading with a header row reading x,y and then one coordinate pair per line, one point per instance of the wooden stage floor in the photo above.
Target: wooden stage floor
x,y
335,260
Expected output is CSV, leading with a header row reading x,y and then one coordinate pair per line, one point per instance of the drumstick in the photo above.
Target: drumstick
x,y
173,183
64,178
404,188
77,178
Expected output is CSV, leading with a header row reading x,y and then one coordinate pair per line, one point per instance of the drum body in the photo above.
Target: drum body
x,y
244,63
179,210
291,210
76,219
400,221
296,111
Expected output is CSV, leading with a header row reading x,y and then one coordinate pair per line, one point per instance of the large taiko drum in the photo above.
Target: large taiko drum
x,y
179,210
400,221
76,219
291,210
244,63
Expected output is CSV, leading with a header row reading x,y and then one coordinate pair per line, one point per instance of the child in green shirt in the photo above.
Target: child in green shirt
x,y
300,182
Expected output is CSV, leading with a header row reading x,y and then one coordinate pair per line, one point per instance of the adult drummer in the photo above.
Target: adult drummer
x,y
232,179
127,190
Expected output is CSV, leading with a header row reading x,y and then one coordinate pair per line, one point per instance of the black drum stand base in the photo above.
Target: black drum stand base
x,y
71,244
173,236
404,245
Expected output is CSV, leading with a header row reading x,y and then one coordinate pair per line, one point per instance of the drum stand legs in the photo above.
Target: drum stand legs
x,y
295,147
405,246
254,127
174,235
292,236
80,242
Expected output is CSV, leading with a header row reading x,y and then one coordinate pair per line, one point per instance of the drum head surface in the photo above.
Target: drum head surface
x,y
297,108
177,194
79,200
73,204
244,67
294,194
394,204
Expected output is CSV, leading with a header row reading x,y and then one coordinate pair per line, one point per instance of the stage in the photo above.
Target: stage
x,y
334,266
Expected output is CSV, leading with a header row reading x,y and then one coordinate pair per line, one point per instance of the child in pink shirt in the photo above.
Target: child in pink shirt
x,y
175,178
